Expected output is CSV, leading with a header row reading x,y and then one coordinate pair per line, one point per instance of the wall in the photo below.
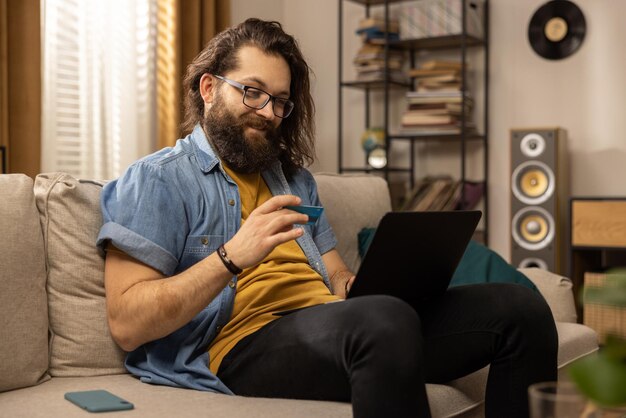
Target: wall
x,y
584,93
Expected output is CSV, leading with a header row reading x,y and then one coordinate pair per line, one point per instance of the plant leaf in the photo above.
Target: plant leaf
x,y
615,348
610,294
601,379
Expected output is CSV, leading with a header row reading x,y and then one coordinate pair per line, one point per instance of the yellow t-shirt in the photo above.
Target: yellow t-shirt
x,y
283,280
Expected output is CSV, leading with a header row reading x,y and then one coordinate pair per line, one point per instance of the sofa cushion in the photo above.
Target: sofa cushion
x,y
81,344
481,264
24,315
156,401
352,202
163,401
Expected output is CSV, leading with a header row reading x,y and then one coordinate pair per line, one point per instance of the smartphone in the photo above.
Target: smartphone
x,y
313,212
98,401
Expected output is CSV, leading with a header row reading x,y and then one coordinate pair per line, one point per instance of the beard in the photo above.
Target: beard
x,y
250,153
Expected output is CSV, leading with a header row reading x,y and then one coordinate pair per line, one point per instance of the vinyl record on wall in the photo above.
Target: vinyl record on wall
x,y
556,29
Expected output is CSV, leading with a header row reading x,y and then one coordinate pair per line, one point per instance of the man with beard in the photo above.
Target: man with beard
x,y
213,284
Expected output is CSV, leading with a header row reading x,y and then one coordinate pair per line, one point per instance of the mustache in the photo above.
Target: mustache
x,y
257,123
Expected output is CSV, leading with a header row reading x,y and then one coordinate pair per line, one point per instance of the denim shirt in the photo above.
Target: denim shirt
x,y
172,209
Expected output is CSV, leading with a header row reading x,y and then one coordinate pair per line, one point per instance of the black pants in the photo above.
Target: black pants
x,y
377,352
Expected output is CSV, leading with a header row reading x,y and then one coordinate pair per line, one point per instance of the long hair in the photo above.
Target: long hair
x,y
220,56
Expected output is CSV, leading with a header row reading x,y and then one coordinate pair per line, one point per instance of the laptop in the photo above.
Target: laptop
x,y
413,255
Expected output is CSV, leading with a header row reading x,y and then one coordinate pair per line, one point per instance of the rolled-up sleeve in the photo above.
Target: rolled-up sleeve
x,y
144,216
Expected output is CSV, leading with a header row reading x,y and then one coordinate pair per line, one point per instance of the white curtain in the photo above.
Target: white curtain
x,y
99,93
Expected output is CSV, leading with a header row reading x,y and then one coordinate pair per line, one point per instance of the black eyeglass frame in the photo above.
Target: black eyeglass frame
x,y
288,104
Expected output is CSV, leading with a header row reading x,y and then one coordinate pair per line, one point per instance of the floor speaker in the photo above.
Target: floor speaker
x,y
539,192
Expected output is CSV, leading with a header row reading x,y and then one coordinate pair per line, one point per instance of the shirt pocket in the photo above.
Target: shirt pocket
x,y
197,248
203,244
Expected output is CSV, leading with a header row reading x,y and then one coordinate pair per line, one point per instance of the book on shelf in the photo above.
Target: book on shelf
x,y
434,189
436,99
442,78
371,76
430,193
441,129
376,35
435,111
369,51
439,64
439,87
431,130
378,22
436,93
420,119
438,108
454,196
377,57
443,196
441,97
367,48
442,192
372,65
422,72
415,194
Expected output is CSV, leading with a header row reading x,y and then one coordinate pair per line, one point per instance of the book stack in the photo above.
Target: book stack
x,y
443,193
433,193
435,105
373,30
370,59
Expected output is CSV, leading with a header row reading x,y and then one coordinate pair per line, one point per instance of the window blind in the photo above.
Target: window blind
x,y
99,85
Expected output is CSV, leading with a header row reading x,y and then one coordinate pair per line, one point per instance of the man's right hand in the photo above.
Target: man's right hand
x,y
267,226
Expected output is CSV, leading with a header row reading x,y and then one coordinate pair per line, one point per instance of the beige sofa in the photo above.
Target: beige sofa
x,y
54,336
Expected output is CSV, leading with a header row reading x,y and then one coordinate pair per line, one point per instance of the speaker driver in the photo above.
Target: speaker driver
x,y
533,182
532,145
533,262
533,228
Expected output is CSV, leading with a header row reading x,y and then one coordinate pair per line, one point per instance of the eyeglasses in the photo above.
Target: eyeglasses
x,y
258,99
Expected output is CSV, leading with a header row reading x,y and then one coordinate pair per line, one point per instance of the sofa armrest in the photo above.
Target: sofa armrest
x,y
557,290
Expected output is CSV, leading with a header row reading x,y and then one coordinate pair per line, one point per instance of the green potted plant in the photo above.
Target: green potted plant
x,y
602,377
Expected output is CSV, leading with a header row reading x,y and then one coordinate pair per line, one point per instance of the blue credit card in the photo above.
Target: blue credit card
x,y
314,212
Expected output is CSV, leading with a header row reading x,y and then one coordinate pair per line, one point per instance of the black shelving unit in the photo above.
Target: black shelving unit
x,y
461,42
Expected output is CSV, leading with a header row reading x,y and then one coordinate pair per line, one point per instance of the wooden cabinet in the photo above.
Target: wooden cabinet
x,y
597,239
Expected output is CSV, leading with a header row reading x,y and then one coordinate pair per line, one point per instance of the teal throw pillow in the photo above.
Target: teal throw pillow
x,y
479,264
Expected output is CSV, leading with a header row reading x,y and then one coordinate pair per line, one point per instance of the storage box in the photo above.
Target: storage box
x,y
604,319
431,18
